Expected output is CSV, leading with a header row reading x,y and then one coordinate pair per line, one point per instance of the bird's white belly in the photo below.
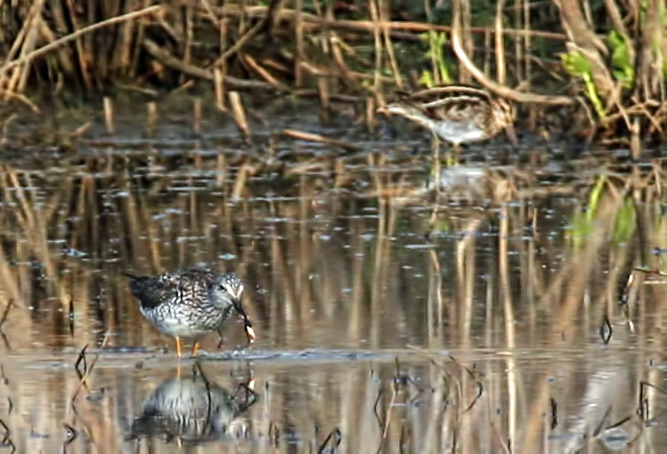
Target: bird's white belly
x,y
460,132
178,325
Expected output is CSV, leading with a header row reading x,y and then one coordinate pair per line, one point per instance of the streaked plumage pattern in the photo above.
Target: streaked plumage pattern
x,y
456,113
189,302
191,409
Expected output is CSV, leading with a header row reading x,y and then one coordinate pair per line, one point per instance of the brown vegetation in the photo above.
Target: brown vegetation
x,y
613,54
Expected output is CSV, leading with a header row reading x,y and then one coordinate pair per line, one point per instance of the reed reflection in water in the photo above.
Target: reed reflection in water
x,y
506,324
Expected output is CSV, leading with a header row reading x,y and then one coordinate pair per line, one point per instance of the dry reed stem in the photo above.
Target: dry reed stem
x,y
81,130
312,137
377,45
151,118
264,73
346,73
501,90
25,42
65,39
312,20
241,176
219,88
196,115
501,73
7,94
108,115
388,45
238,113
300,53
169,60
82,52
5,313
238,45
89,369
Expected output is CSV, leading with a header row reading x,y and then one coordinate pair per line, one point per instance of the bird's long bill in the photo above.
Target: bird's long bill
x,y
247,324
511,134
383,110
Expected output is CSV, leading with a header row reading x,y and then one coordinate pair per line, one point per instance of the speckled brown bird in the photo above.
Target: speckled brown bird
x,y
189,303
456,113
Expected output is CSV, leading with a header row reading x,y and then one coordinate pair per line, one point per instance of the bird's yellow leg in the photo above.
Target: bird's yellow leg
x,y
195,348
453,160
435,164
178,346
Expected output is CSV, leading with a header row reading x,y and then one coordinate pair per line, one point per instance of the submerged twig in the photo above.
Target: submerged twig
x,y
5,313
312,137
334,438
88,369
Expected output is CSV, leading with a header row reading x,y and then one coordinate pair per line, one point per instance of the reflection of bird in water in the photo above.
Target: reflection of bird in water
x,y
189,302
193,409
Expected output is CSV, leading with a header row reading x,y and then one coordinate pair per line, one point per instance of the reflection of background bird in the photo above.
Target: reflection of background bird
x,y
191,409
189,302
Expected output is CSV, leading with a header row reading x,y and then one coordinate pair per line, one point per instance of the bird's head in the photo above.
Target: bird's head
x,y
403,108
227,290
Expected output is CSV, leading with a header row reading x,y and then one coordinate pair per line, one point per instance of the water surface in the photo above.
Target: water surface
x,y
497,319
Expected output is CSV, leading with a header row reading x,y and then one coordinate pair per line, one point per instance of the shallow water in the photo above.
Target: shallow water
x,y
492,325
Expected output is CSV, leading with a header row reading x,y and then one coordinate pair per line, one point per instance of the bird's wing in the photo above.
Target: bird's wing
x,y
151,291
460,109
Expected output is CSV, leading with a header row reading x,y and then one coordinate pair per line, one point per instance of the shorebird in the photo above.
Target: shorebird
x,y
456,113
189,303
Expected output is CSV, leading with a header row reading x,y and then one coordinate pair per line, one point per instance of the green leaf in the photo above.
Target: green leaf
x,y
621,65
426,79
436,53
576,64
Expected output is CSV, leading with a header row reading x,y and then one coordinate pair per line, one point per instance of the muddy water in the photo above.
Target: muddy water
x,y
492,324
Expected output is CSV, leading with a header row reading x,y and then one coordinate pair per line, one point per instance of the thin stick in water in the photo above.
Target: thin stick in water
x,y
239,115
108,115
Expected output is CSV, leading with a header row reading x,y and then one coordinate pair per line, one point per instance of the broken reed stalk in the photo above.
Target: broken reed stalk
x,y
239,183
219,88
196,115
312,137
239,115
151,118
88,369
5,313
7,94
264,73
81,130
108,115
